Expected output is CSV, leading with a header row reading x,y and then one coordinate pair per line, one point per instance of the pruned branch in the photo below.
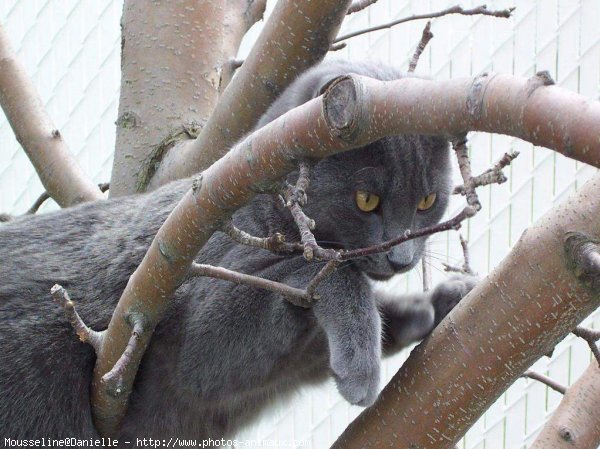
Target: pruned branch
x,y
425,38
257,84
480,10
546,381
85,334
354,111
575,424
57,168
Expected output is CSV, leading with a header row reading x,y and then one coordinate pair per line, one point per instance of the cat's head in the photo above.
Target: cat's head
x,y
367,196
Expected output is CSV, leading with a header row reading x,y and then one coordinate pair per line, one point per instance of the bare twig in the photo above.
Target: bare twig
x,y
480,10
321,275
459,143
466,267
493,175
591,337
453,223
546,381
425,38
359,5
57,168
294,295
275,243
85,334
294,198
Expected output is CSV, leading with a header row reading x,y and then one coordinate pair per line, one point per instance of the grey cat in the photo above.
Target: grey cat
x,y
224,351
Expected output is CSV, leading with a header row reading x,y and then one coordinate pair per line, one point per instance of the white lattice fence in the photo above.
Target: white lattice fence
x,y
71,50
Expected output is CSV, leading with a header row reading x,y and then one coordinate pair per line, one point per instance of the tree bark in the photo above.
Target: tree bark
x,y
58,170
575,424
171,65
354,111
296,36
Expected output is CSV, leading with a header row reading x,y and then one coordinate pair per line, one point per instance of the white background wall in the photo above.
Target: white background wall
x,y
71,50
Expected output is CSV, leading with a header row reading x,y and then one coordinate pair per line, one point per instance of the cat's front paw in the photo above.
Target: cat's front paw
x,y
449,293
357,377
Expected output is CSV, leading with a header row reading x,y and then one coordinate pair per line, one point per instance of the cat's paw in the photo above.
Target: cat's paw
x,y
449,293
357,377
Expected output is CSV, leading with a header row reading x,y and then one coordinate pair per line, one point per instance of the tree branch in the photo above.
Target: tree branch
x,y
195,42
480,10
58,170
344,118
85,334
310,28
466,267
575,424
546,381
591,337
359,5
493,175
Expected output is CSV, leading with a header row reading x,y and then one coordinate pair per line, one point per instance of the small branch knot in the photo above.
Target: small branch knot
x,y
583,258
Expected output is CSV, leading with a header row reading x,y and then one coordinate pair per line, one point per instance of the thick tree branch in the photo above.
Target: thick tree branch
x,y
480,10
575,424
194,42
309,29
58,170
355,111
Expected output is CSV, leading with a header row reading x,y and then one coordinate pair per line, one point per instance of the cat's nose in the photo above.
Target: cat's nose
x,y
399,259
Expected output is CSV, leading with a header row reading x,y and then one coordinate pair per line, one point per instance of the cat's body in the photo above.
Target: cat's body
x,y
223,351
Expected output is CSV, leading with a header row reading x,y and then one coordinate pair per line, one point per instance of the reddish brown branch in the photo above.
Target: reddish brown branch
x,y
57,168
85,334
480,10
425,38
546,381
329,268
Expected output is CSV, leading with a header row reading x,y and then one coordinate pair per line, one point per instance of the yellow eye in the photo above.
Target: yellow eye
x,y
426,202
366,201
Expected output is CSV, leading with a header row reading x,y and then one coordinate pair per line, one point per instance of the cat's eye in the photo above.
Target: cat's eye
x,y
426,202
366,201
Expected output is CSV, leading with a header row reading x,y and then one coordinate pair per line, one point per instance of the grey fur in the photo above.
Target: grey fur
x,y
223,351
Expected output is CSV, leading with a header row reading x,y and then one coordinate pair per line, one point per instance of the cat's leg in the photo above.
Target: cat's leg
x,y
348,314
409,318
